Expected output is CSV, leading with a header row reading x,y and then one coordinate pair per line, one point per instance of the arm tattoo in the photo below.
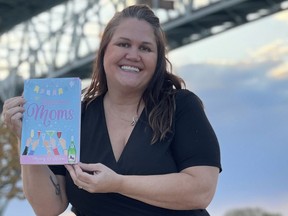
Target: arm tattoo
x,y
56,185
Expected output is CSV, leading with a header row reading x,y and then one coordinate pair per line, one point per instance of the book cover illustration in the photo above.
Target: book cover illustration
x,y
51,121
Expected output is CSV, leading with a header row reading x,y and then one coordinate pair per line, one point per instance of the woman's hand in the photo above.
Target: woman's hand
x,y
13,113
94,178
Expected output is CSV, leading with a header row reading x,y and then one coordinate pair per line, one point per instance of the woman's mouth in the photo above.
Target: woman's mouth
x,y
130,68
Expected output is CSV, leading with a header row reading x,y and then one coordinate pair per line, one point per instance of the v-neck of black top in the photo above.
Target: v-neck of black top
x,y
129,142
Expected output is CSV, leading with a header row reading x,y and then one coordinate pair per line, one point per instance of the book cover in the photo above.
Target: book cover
x,y
51,121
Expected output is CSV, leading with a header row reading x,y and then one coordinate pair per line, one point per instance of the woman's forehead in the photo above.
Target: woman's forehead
x,y
135,29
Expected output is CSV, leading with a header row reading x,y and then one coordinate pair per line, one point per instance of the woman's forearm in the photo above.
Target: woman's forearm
x,y
179,191
45,191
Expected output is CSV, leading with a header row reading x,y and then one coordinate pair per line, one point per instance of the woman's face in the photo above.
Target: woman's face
x,y
131,56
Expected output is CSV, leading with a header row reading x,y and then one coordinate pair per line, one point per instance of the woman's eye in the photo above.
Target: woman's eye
x,y
123,45
146,49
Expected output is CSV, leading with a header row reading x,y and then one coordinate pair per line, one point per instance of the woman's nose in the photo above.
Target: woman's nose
x,y
133,54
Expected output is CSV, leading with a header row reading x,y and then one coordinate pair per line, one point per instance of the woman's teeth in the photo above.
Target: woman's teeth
x,y
130,68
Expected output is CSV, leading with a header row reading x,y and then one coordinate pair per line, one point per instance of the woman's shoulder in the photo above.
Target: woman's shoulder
x,y
183,96
87,106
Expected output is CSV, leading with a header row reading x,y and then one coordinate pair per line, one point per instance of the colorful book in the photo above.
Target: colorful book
x,y
51,121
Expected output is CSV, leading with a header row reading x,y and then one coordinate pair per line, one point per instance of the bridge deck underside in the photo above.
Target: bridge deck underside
x,y
200,24
17,11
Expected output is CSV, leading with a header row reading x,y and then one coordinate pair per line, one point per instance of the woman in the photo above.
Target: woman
x,y
147,147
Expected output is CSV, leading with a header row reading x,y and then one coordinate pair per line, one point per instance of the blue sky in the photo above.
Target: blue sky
x,y
242,77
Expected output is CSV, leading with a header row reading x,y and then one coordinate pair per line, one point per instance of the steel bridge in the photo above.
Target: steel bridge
x,y
60,38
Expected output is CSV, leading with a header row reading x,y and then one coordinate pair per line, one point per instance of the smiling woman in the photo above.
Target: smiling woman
x,y
147,147
129,51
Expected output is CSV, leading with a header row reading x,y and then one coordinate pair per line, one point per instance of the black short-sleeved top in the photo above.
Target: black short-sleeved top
x,y
192,143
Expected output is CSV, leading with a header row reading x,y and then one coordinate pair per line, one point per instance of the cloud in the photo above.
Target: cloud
x,y
282,16
244,87
276,50
270,59
211,76
279,72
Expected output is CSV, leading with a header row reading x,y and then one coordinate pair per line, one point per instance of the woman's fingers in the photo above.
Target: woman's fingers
x,y
13,112
92,168
13,102
72,173
94,177
75,173
13,109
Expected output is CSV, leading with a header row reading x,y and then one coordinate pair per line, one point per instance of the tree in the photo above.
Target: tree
x,y
10,171
250,212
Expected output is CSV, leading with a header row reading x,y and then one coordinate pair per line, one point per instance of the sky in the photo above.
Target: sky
x,y
242,77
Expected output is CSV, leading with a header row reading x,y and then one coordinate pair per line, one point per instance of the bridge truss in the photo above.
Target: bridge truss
x,y
63,40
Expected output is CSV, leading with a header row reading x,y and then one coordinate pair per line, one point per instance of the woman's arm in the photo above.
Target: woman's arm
x,y
45,192
193,188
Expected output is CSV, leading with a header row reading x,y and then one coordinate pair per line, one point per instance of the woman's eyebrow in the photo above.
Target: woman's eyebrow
x,y
142,42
